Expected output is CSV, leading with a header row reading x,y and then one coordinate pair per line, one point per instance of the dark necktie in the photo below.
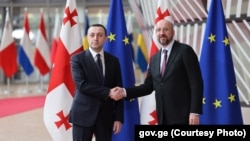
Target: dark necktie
x,y
99,64
163,65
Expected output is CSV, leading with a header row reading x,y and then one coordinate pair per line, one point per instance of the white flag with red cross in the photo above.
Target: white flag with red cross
x,y
148,104
61,86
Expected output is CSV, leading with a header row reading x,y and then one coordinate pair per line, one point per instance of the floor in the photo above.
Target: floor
x,y
29,126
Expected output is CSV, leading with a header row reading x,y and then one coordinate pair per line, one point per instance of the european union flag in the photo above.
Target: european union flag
x,y
118,45
221,101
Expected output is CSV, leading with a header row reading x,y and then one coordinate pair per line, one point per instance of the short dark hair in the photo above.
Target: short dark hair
x,y
100,25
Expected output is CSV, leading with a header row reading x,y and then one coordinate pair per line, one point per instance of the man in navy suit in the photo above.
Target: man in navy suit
x,y
93,112
179,89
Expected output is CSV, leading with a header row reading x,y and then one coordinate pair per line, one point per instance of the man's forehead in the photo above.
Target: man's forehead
x,y
163,23
96,30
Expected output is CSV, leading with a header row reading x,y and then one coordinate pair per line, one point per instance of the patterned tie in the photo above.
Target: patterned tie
x,y
163,65
99,64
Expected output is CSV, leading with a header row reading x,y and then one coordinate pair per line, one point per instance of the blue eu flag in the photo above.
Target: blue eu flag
x,y
221,103
118,44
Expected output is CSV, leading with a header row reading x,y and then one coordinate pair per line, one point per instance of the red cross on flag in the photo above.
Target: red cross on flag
x,y
61,85
148,105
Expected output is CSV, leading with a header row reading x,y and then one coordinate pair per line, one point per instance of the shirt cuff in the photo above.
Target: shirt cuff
x,y
125,93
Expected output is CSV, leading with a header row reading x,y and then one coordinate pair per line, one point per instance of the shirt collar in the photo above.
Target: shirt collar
x,y
94,53
169,46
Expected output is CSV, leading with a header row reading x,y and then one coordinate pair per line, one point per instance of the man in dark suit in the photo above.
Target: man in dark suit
x,y
93,112
179,90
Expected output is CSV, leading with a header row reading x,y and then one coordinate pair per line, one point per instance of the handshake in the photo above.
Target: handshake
x,y
117,93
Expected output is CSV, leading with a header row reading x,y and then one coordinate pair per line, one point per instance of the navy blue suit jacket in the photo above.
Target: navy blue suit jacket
x,y
92,93
180,91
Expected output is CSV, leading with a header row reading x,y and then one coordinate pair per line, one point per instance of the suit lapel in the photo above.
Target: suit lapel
x,y
92,65
170,61
156,64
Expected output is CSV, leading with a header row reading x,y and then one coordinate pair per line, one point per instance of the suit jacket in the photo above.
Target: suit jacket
x,y
180,91
91,97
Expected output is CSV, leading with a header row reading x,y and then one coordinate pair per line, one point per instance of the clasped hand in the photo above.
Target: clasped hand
x,y
117,93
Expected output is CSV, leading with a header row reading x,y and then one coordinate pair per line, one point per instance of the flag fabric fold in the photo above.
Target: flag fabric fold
x,y
55,37
86,26
130,33
221,103
118,45
148,105
61,86
26,49
8,51
142,55
42,52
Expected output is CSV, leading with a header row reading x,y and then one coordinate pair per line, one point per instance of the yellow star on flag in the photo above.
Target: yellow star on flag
x,y
204,100
217,103
111,37
231,97
125,40
226,41
211,38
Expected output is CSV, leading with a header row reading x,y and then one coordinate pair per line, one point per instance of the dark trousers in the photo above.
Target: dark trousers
x,y
101,133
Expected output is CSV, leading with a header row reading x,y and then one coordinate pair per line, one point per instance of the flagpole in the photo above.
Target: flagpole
x,y
26,90
40,84
7,91
8,52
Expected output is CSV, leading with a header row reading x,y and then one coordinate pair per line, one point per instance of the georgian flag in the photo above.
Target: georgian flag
x,y
148,105
61,86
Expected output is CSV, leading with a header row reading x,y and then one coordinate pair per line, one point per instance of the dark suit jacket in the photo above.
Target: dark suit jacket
x,y
91,97
180,91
